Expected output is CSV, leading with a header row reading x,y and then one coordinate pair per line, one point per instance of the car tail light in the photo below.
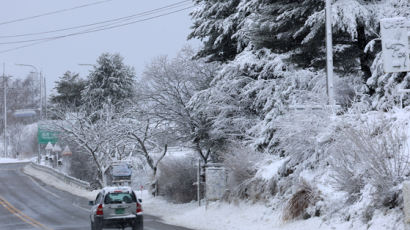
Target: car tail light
x,y
99,210
139,208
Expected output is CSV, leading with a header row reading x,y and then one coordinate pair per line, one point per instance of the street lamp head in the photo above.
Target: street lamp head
x,y
27,65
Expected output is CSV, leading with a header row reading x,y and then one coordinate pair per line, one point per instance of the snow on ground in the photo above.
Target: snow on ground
x,y
245,216
235,216
12,160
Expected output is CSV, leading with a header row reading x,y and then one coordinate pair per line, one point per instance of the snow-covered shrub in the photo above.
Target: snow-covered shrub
x,y
298,135
241,163
305,196
377,155
176,179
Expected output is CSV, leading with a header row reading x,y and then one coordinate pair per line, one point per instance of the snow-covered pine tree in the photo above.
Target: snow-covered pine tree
x,y
299,27
68,87
215,22
111,82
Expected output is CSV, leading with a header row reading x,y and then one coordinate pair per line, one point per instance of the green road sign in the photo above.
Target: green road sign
x,y
45,136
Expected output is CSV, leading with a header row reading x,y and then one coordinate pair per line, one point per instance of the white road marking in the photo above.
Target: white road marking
x,y
84,209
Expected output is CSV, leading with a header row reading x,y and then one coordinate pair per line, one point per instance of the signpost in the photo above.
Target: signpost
x,y
395,44
46,136
395,33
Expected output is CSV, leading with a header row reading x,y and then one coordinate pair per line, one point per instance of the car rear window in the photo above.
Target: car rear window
x,y
119,197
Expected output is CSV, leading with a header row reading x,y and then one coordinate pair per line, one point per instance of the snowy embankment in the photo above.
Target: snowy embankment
x,y
221,216
46,178
12,160
244,216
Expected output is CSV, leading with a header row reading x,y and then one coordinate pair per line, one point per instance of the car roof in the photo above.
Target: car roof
x,y
106,190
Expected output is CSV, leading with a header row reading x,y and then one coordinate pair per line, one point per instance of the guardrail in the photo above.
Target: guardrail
x,y
61,176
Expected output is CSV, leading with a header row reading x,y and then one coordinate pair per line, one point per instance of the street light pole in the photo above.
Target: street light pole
x,y
5,110
45,98
329,53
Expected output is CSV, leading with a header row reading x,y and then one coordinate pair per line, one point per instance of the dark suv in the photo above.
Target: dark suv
x,y
116,207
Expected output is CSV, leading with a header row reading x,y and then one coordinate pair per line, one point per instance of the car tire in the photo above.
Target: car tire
x,y
98,227
138,225
92,226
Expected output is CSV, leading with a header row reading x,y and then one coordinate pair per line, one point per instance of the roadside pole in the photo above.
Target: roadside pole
x,y
329,54
198,183
5,110
45,99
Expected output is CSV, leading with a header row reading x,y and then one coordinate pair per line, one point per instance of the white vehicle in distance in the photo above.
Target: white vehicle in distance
x,y
116,207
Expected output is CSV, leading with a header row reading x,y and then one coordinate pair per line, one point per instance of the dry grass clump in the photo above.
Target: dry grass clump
x,y
371,155
305,196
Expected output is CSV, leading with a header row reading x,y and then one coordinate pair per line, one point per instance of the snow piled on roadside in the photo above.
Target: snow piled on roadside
x,y
245,216
46,178
13,160
235,216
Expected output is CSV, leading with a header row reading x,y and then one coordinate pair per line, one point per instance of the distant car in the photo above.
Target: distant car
x,y
116,207
121,174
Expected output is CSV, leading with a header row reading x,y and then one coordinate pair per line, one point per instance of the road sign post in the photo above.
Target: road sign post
x,y
46,136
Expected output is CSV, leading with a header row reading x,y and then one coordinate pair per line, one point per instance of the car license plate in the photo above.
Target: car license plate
x,y
119,211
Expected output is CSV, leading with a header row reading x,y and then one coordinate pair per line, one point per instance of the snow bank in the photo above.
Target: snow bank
x,y
44,177
12,160
235,216
245,216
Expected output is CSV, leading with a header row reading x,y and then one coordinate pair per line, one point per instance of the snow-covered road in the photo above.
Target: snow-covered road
x,y
26,203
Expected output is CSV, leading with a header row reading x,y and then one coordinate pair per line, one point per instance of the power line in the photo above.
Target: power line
x,y
44,40
54,12
115,20
95,29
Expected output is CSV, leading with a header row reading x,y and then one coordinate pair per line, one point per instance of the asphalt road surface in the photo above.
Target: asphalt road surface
x,y
26,203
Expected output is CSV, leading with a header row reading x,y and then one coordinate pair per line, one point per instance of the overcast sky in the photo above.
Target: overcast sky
x,y
137,43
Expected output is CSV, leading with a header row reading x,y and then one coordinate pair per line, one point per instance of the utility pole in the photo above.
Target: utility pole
x,y
45,98
329,54
41,95
5,110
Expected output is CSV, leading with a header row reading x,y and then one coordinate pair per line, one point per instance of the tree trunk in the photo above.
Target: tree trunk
x,y
363,57
154,183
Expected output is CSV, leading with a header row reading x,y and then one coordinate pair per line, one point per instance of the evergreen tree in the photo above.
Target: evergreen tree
x,y
299,27
111,82
68,88
215,23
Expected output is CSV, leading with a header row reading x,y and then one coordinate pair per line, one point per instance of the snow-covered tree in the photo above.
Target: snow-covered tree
x,y
149,138
68,91
215,23
99,138
111,82
299,27
166,89
251,91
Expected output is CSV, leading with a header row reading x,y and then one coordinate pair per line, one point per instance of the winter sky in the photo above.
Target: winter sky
x,y
137,43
